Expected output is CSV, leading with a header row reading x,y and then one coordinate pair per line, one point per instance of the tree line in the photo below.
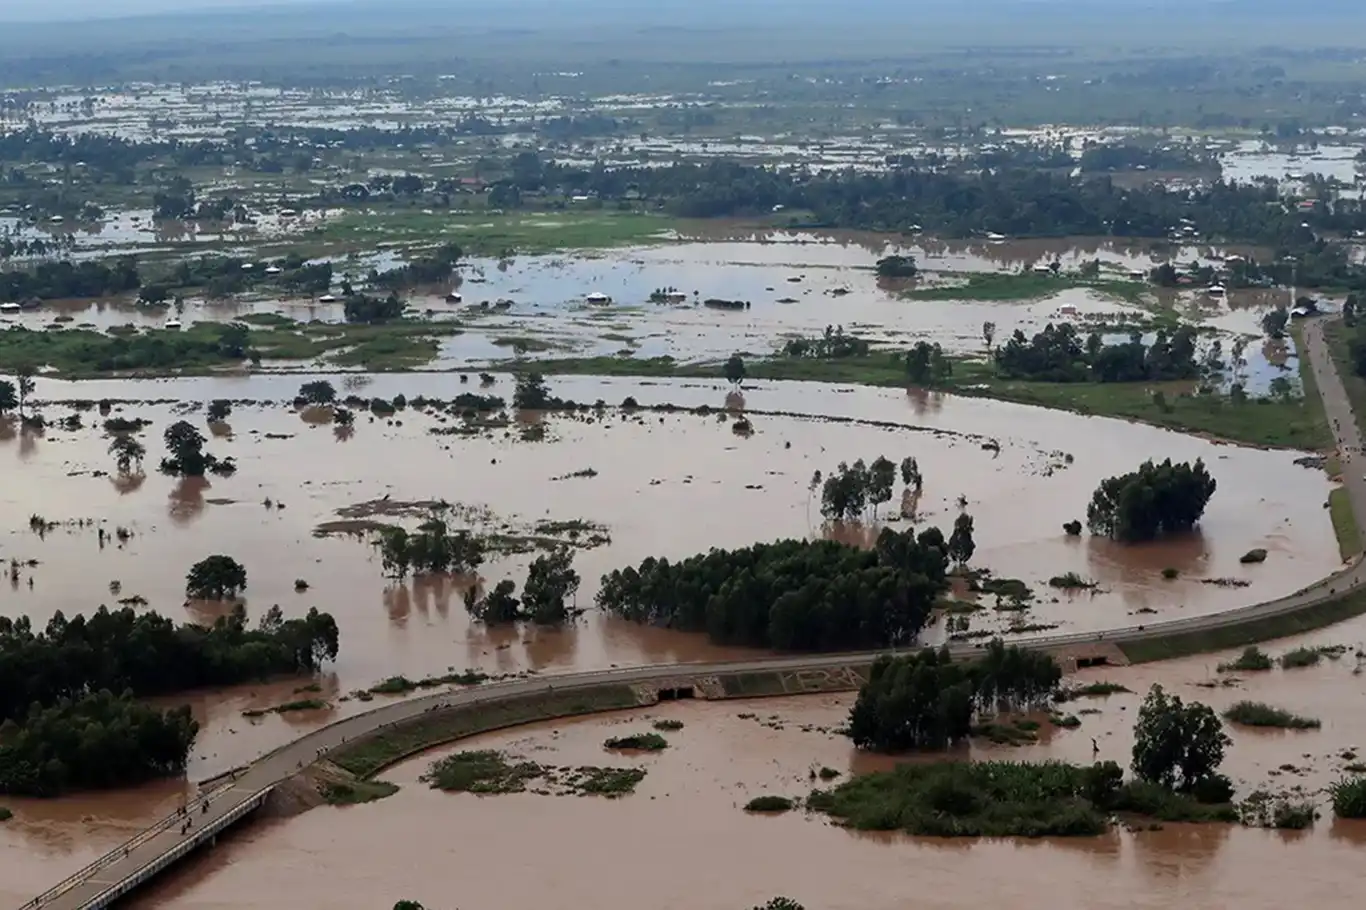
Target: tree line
x,y
149,654
1058,354
927,700
791,595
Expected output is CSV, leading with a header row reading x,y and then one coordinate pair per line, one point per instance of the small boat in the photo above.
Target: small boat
x,y
173,324
327,298
598,297
10,308
994,237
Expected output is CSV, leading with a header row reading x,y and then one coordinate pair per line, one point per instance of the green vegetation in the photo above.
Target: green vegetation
x,y
927,700
644,742
1260,810
354,793
487,773
551,581
1178,746
495,234
769,804
366,756
1057,354
1343,606
668,726
785,596
1090,690
1154,501
1024,286
149,655
5,814
1259,714
1300,657
401,685
1252,659
1344,523
1070,581
215,578
97,741
303,704
432,549
1349,797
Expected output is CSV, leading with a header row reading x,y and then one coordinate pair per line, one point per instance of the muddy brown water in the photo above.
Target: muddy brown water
x,y
683,840
667,485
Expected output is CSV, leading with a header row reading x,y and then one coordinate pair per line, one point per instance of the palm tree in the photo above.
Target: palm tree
x,y
127,450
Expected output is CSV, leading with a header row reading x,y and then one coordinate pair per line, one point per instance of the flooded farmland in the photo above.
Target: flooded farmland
x,y
727,753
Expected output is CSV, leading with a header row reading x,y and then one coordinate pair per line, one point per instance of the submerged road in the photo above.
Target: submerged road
x,y
165,842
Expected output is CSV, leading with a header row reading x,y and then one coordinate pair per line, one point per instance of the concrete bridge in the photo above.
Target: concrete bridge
x,y
201,821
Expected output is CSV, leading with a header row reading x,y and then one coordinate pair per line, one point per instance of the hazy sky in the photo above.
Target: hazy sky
x,y
44,10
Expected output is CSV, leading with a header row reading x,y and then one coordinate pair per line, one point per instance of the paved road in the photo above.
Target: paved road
x,y
83,890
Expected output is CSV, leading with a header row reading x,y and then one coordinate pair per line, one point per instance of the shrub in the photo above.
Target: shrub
x,y
1301,657
1349,797
646,742
668,726
1252,659
769,804
1258,714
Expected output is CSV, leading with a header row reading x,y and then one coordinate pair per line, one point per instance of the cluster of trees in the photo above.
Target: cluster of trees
x,y
848,490
368,309
185,453
1180,747
897,267
834,342
792,595
551,584
963,202
215,578
206,344
62,279
1058,354
927,700
433,268
1155,500
430,550
927,364
94,742
149,654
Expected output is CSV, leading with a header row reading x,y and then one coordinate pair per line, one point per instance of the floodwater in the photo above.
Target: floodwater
x,y
667,485
451,850
797,283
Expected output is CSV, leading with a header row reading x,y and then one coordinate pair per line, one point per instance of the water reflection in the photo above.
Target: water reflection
x,y
186,501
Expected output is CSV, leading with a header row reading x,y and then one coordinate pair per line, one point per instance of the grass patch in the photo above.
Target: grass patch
x,y
494,233
1182,644
770,804
1339,336
669,726
1024,286
1066,721
1259,714
1090,690
643,742
484,771
352,793
303,704
1016,734
1349,797
1301,657
400,685
389,353
1344,523
366,756
1252,660
1070,582
827,773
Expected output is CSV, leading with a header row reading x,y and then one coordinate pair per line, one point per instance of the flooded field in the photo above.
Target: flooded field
x,y
438,848
666,485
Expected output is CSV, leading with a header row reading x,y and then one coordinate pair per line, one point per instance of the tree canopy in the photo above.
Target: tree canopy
x,y
215,578
1176,745
1155,500
790,595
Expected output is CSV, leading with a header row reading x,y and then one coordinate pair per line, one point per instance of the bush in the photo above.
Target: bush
x,y
1258,714
769,804
1252,659
668,726
646,742
1300,657
1349,797
1253,556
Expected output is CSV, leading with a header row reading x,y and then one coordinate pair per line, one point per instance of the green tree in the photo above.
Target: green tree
x,y
927,364
8,399
23,375
1275,321
215,578
499,606
1176,745
1155,500
126,450
988,334
395,552
550,580
896,267
186,447
961,545
910,473
781,903
734,369
881,479
219,410
531,393
844,494
319,391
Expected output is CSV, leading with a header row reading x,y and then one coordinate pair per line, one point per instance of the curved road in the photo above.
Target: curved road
x,y
89,887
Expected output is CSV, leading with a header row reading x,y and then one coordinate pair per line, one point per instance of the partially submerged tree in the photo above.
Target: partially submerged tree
x,y
961,545
319,391
126,450
881,479
734,369
430,550
1155,500
1176,745
9,400
219,410
498,606
186,446
215,578
531,393
910,473
550,581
